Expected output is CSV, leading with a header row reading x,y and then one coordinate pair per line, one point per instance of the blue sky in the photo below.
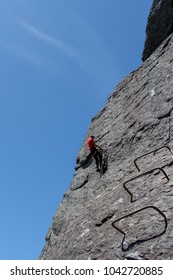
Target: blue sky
x,y
59,61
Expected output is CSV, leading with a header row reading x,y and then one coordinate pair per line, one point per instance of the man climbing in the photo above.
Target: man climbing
x,y
95,152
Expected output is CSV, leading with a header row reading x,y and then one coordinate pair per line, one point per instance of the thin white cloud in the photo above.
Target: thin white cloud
x,y
47,38
66,48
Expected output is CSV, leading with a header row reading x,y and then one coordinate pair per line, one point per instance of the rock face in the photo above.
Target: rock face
x,y
159,26
128,212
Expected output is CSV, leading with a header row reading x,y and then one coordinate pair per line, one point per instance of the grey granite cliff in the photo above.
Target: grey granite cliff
x,y
159,27
128,212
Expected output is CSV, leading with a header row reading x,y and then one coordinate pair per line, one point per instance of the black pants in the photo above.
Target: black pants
x,y
97,156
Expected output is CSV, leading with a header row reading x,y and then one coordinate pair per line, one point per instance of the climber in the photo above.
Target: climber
x,y
94,149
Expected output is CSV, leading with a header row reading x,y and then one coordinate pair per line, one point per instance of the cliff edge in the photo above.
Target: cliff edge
x,y
159,26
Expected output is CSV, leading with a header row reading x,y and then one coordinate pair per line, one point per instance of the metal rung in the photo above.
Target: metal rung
x,y
151,152
139,240
143,174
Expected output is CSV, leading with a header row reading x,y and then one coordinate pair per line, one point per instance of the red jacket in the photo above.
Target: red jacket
x,y
91,143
